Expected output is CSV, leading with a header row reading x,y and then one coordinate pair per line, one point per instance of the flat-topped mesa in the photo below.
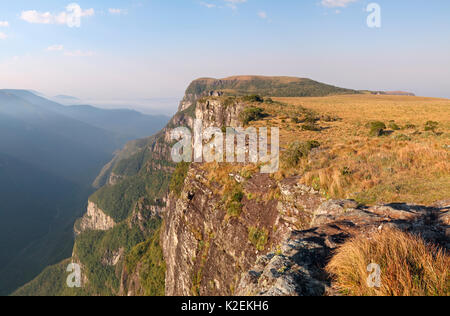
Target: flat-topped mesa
x,y
261,85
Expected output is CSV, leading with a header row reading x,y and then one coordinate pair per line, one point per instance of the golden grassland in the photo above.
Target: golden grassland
x,y
408,165
409,266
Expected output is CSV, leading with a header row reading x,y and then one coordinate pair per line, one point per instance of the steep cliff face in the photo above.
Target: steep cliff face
x,y
207,250
117,242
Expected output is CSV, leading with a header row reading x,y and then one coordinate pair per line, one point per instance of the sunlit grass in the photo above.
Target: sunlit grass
x,y
408,266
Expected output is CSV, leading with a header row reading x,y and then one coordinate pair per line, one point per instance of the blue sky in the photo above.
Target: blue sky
x,y
141,50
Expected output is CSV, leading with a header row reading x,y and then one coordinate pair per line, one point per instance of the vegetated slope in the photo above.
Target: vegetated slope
x,y
266,86
227,228
49,159
37,212
50,282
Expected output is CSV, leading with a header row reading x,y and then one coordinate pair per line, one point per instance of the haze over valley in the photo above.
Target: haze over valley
x,y
49,156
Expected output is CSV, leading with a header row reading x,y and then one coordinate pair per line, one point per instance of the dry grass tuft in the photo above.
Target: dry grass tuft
x,y
409,266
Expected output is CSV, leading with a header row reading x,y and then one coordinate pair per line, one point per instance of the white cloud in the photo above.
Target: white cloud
x,y
337,3
234,3
262,14
4,23
71,17
3,36
208,5
79,53
55,48
116,11
68,53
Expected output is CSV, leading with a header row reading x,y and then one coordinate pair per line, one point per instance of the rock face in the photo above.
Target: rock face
x,y
205,251
94,219
298,268
214,113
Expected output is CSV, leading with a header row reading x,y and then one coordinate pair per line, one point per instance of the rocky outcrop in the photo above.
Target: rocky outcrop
x,y
214,113
297,269
206,251
94,219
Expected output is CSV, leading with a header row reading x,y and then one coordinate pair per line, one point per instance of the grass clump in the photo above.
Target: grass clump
x,y
253,98
377,128
409,266
410,126
394,126
431,126
313,127
402,137
258,237
233,200
178,177
297,151
251,114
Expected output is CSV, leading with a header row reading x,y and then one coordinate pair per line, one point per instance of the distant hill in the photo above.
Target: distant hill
x,y
65,99
130,123
267,86
401,93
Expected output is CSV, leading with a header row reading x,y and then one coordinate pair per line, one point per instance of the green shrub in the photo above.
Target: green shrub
x,y
229,101
311,127
393,126
410,126
253,98
311,118
298,150
329,118
431,126
178,177
377,128
233,201
258,237
251,114
402,137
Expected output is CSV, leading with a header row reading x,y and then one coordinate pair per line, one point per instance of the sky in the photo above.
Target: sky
x,y
145,53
